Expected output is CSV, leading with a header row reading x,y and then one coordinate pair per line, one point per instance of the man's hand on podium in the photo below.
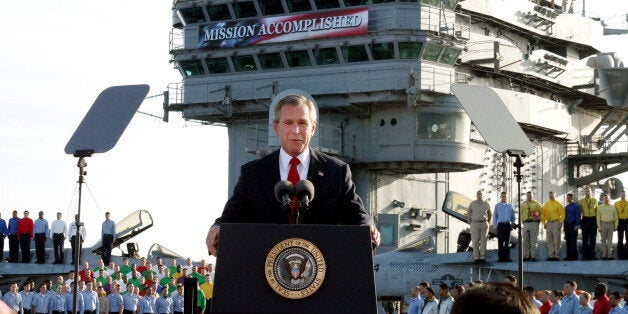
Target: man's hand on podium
x,y
212,240
374,235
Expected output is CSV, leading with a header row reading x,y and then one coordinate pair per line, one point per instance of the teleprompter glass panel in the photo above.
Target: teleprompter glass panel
x,y
298,5
270,60
410,50
354,53
244,63
269,7
193,15
219,12
298,58
326,56
431,52
217,65
383,51
326,4
244,9
192,67
450,55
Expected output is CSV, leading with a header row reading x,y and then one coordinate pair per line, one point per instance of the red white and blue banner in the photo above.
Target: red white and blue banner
x,y
350,22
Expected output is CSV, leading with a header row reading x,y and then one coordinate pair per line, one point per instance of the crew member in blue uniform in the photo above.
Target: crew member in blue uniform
x,y
41,231
571,226
130,299
503,219
108,236
14,240
27,297
90,299
41,300
13,299
4,231
177,301
164,304
116,304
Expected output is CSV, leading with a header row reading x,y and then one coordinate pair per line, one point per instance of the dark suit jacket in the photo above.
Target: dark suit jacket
x,y
335,200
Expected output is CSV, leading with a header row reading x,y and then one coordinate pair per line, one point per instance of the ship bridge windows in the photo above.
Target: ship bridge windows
x,y
192,15
449,126
432,52
409,50
269,61
298,58
326,4
298,5
326,56
450,55
218,12
217,65
354,53
270,7
244,9
192,67
244,63
383,51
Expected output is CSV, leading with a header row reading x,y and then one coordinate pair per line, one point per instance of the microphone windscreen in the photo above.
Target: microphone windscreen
x,y
282,188
303,188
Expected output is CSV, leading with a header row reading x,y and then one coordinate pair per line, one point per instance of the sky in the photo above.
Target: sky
x,y
56,57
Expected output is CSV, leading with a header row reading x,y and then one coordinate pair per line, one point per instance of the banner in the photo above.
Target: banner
x,y
232,34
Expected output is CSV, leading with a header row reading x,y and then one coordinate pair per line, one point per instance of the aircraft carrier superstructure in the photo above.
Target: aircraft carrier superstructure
x,y
380,72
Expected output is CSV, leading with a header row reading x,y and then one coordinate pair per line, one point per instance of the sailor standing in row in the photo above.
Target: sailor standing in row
x,y
41,300
58,230
108,236
479,217
503,220
572,224
27,297
41,231
622,228
553,216
72,232
607,224
25,232
3,232
588,206
531,218
13,299
14,240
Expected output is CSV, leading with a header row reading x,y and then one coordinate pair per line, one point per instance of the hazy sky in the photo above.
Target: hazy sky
x,y
56,57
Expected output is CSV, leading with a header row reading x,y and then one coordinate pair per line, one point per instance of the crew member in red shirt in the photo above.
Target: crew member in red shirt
x,y
25,233
601,305
546,305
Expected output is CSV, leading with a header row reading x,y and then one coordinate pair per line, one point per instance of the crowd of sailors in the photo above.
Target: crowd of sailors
x,y
111,288
506,297
585,215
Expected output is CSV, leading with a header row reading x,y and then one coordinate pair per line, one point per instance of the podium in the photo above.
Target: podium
x,y
269,268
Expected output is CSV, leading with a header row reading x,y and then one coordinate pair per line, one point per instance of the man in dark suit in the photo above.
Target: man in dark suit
x,y
253,199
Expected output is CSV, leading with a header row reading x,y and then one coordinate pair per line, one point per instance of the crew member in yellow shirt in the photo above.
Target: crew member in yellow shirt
x,y
553,215
208,290
607,223
622,229
588,224
531,217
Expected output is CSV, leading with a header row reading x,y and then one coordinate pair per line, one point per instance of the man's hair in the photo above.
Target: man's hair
x,y
297,101
570,194
600,290
494,298
529,289
502,193
571,283
444,286
511,278
430,290
557,293
425,284
414,288
615,294
586,295
478,281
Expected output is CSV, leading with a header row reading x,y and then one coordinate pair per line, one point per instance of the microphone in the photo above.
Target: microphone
x,y
284,190
304,191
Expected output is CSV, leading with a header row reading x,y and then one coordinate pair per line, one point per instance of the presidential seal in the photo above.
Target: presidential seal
x,y
295,268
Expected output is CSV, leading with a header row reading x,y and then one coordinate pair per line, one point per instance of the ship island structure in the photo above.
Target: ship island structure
x,y
381,71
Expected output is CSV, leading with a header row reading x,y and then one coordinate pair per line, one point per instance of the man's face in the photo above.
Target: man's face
x,y
569,198
503,198
551,196
58,215
41,214
85,265
414,292
583,300
478,196
294,129
529,196
587,192
107,216
568,289
42,288
625,295
606,200
613,301
25,214
443,292
544,297
15,214
13,288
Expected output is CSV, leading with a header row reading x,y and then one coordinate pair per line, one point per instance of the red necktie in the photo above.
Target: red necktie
x,y
293,174
293,177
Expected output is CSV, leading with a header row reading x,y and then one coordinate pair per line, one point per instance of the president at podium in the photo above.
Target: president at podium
x,y
255,198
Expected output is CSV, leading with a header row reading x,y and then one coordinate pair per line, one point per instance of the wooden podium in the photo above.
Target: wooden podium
x,y
260,269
